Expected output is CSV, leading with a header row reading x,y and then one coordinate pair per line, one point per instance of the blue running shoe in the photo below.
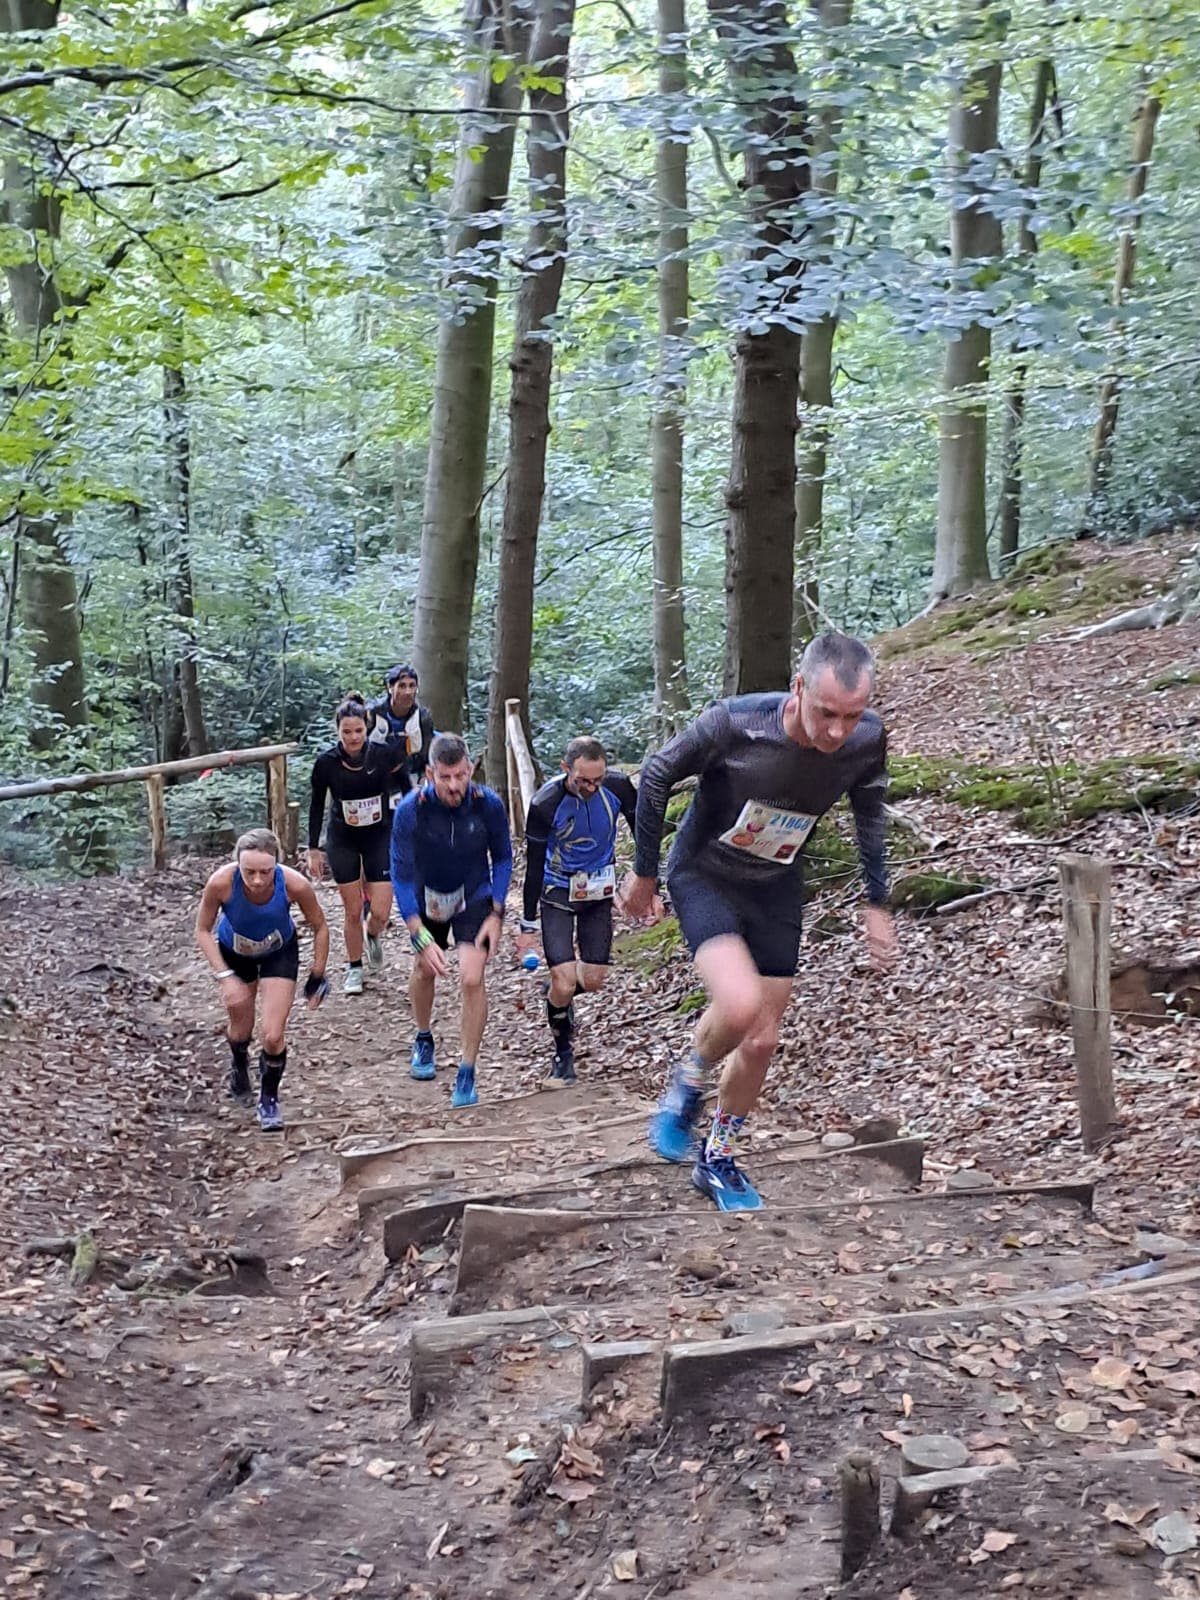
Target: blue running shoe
x,y
270,1118
672,1127
423,1065
464,1088
725,1184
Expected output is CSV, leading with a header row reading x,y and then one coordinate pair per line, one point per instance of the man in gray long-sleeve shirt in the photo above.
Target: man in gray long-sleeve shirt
x,y
769,765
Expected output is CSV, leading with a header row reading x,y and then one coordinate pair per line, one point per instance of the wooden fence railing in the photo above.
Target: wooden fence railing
x,y
522,773
282,818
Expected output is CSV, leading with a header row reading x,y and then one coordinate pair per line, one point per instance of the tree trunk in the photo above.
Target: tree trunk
x,y
1012,481
458,432
1100,467
816,365
532,363
667,428
178,546
48,595
961,558
760,534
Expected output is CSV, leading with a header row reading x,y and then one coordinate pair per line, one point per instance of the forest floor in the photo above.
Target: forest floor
x,y
226,1407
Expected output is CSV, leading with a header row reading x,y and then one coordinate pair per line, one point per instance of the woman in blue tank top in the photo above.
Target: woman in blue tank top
x,y
245,930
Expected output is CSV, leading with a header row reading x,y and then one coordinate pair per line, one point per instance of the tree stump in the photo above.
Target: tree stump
x,y
859,1477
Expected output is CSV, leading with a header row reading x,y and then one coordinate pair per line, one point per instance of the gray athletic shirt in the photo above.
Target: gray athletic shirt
x,y
760,793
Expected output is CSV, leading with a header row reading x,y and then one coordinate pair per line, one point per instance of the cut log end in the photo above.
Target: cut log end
x,y
859,1478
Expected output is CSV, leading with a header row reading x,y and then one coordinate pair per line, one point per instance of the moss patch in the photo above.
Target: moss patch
x,y
1043,798
925,891
691,1003
647,950
1177,677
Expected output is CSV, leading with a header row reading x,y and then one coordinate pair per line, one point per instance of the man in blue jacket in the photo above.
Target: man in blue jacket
x,y
451,868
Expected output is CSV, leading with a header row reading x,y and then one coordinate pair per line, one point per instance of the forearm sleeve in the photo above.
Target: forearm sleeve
x,y
316,807
867,801
685,756
499,849
403,865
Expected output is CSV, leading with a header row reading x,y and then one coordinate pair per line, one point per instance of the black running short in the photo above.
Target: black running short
x,y
353,855
465,926
281,963
590,923
768,920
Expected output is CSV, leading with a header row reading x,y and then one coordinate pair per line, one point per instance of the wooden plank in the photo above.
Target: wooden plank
x,y
277,797
433,1347
1087,916
155,790
514,734
80,781
694,1373
291,830
601,1359
495,1235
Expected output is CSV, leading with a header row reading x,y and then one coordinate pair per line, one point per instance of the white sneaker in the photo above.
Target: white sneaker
x,y
374,953
354,981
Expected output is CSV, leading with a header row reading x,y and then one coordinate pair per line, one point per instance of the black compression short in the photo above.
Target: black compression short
x,y
465,926
708,908
281,963
589,922
353,855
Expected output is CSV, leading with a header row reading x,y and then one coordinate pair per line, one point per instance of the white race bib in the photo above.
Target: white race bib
x,y
769,832
599,885
441,907
257,947
394,800
362,813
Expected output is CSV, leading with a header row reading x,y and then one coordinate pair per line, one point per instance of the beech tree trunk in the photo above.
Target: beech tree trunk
x,y
48,594
532,368
1100,466
960,557
667,428
816,365
458,431
1012,484
760,533
178,552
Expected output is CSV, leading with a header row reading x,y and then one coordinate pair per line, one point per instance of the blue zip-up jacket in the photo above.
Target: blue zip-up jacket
x,y
445,848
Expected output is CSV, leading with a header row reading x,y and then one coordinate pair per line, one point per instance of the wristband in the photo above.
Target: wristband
x,y
226,972
421,940
527,926
316,986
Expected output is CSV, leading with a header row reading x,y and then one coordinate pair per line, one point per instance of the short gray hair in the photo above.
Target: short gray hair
x,y
447,750
846,657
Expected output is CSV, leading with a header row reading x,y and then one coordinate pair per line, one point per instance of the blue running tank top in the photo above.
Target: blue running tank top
x,y
253,930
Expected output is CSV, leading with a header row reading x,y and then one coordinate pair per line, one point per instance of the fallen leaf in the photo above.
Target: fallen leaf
x,y
1174,1534
377,1467
1075,1419
691,1466
1183,1382
995,1540
1109,1373
625,1565
435,1544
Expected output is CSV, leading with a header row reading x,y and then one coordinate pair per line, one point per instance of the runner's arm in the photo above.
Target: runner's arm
x,y
499,849
419,760
621,786
538,824
867,799
403,863
216,892
302,894
685,756
316,804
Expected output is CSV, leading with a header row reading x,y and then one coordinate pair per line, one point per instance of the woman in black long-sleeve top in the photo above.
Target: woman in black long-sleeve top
x,y
358,777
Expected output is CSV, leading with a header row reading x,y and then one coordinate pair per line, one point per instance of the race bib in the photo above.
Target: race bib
x,y
769,832
394,800
441,907
362,813
599,885
257,947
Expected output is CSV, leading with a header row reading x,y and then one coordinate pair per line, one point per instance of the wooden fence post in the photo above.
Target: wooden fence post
x,y
155,789
1087,915
516,810
277,797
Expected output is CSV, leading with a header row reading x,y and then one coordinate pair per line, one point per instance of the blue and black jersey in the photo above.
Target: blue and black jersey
x,y
566,834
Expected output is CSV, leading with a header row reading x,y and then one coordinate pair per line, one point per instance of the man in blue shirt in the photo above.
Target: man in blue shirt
x,y
451,869
570,878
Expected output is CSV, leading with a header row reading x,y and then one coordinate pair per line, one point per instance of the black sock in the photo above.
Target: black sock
x,y
239,1049
357,963
559,1018
271,1067
425,1033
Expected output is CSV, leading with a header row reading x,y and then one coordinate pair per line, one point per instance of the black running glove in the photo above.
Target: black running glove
x,y
316,988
